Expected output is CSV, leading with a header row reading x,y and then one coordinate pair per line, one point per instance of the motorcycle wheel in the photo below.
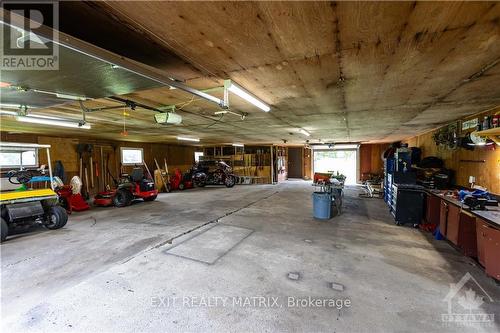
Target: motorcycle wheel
x,y
199,183
230,181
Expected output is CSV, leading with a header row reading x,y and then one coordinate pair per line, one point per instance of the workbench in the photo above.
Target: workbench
x,y
476,233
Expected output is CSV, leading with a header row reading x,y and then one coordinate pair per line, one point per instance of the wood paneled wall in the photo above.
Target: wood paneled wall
x,y
307,172
461,161
370,161
65,150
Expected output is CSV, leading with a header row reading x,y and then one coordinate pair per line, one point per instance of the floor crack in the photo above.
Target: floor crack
x,y
216,220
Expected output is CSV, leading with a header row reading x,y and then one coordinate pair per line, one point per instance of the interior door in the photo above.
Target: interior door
x,y
294,162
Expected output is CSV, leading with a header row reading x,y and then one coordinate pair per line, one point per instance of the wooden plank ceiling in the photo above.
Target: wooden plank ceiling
x,y
344,71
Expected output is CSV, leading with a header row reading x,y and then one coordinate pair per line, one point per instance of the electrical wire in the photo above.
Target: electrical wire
x,y
215,122
184,104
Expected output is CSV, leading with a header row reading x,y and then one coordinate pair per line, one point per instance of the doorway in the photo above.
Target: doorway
x,y
343,161
294,162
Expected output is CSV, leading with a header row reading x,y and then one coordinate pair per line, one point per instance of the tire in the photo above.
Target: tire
x,y
4,229
65,204
153,198
122,198
181,186
230,181
200,180
57,218
199,183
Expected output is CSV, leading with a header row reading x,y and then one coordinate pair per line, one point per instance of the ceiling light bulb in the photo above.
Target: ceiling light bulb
x,y
183,138
238,145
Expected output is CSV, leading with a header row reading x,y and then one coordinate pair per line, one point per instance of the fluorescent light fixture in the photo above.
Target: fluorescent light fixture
x,y
183,138
60,95
34,115
246,95
303,131
71,97
9,113
49,121
238,145
336,146
12,106
347,146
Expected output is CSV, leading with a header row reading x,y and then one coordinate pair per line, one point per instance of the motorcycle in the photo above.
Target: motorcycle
x,y
221,174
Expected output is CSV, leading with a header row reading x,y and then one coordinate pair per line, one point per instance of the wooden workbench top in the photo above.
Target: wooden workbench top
x,y
492,214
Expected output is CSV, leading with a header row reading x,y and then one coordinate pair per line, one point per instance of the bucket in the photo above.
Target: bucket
x,y
322,205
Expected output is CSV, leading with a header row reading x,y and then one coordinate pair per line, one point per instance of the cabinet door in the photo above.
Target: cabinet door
x,y
432,209
453,223
467,234
492,252
481,235
443,217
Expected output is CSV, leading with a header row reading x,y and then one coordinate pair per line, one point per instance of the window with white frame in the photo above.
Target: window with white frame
x,y
19,158
197,155
132,156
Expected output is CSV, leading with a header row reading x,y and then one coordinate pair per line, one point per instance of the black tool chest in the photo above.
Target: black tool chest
x,y
407,203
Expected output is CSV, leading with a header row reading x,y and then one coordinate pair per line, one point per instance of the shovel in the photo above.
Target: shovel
x,y
80,148
90,149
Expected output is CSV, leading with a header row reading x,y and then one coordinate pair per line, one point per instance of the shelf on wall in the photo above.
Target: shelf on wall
x,y
489,132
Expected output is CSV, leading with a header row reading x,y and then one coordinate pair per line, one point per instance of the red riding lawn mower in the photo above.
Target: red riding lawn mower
x,y
129,187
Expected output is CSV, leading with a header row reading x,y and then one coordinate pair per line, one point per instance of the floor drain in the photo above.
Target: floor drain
x,y
337,286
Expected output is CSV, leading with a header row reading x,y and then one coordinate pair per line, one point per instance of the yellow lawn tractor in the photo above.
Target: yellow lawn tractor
x,y
27,195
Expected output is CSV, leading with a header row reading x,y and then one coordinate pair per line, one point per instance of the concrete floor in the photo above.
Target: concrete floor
x,y
114,269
